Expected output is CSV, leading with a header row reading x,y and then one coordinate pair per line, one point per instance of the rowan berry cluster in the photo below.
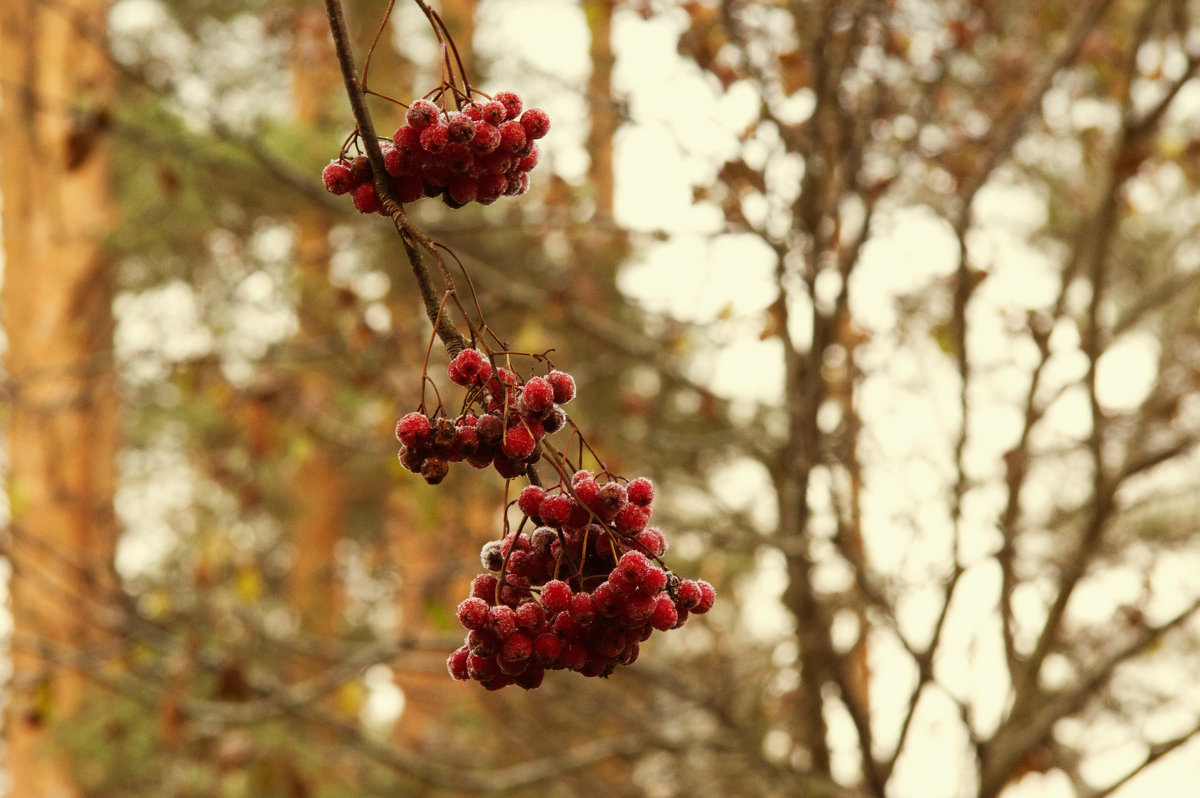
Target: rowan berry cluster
x,y
507,431
581,591
478,153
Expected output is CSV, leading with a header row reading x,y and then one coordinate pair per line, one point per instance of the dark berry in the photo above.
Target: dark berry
x,y
535,123
542,540
491,556
554,420
563,384
421,114
336,177
462,190
530,678
434,469
490,428
609,500
408,188
360,170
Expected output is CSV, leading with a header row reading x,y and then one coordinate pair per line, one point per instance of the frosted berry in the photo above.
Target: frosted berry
x,y
632,567
689,594
512,137
473,613
469,367
654,581
473,111
554,420
460,128
531,615
563,384
486,138
609,500
537,395
337,178
547,648
435,469
414,429
503,621
640,492
556,596
529,161
456,664
583,607
491,556
407,140
396,162
708,595
511,103
482,669
494,113
535,123
665,616
530,498
630,519
555,510
408,188
543,539
484,586
435,139
421,114
518,443
517,647
652,542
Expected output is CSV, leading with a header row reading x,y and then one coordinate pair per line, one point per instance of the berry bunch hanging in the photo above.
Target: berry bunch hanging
x,y
480,151
580,583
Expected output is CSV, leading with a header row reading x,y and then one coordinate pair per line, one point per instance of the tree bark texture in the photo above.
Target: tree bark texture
x,y
63,415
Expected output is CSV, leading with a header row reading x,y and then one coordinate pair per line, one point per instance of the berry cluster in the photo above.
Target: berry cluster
x,y
506,434
580,592
478,153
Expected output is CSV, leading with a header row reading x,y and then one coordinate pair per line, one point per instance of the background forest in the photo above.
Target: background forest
x,y
896,301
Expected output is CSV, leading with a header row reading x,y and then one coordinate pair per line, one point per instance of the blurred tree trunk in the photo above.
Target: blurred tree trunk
x,y
320,491
57,301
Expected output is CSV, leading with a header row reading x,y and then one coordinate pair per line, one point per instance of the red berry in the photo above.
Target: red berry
x,y
366,200
529,161
512,137
414,429
665,615
337,178
490,429
609,500
574,656
631,519
531,616
583,607
462,190
563,384
689,594
435,139
503,621
396,162
608,601
408,188
456,663
482,669
473,613
494,113
530,498
511,103
631,568
421,114
537,394
708,595
491,187
531,678
639,607
408,141
460,127
518,443
556,510
547,648
516,647
556,596
535,123
654,580
484,586
640,492
652,542
473,111
486,138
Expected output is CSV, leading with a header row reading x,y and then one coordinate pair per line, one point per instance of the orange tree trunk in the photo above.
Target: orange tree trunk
x,y
62,418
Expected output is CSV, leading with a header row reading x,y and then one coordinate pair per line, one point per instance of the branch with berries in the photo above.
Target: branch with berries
x,y
580,582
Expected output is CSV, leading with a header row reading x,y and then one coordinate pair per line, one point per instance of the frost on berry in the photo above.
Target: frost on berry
x,y
421,114
494,113
530,498
512,137
486,138
414,429
537,395
473,613
337,178
640,492
435,139
563,385
555,510
518,443
556,596
456,664
630,519
366,200
460,128
536,123
708,595
511,102
462,190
